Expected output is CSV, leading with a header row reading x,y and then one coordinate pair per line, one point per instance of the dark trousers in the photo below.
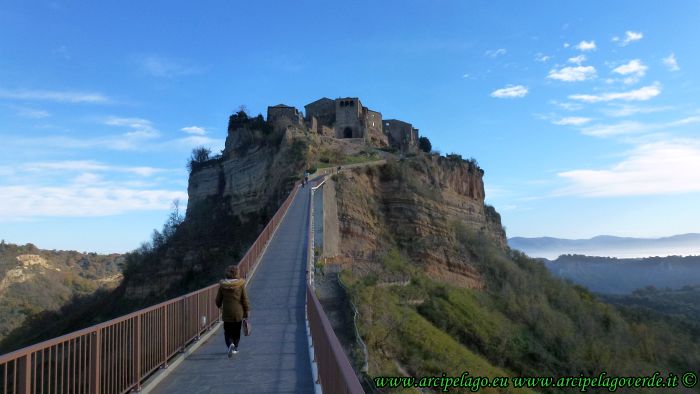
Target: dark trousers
x,y
232,332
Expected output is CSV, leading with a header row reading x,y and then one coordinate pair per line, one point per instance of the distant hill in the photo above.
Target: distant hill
x,y
623,276
33,280
610,246
681,303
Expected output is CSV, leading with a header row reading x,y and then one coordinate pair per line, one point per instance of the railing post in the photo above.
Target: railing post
x,y
24,374
185,337
198,319
165,336
137,353
95,361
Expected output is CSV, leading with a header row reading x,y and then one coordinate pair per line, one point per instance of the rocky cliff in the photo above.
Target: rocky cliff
x,y
416,204
256,169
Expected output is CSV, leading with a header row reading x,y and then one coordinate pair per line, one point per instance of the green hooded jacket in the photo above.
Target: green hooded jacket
x,y
233,300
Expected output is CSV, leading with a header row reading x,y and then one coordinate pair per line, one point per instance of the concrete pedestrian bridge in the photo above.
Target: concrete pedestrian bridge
x,y
178,346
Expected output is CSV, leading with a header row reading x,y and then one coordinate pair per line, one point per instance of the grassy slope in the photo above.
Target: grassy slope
x,y
526,322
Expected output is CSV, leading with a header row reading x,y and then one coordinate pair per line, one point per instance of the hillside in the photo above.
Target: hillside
x,y
33,280
620,276
610,246
438,291
423,257
681,304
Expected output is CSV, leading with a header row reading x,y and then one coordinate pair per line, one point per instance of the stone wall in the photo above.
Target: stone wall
x,y
374,128
348,124
323,110
282,116
401,134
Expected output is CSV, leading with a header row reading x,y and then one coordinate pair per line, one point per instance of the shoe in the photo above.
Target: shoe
x,y
231,350
235,350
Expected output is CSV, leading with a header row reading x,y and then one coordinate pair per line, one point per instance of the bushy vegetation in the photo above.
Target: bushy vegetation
x,y
679,306
526,322
335,157
425,145
200,158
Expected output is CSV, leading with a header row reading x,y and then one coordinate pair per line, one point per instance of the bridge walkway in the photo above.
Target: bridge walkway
x,y
275,358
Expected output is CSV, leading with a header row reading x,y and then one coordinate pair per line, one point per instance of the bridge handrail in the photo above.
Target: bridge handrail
x,y
116,356
335,374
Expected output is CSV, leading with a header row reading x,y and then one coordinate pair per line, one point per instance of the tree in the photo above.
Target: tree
x,y
174,220
424,144
199,155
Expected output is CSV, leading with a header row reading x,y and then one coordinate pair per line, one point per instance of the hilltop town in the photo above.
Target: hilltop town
x,y
346,118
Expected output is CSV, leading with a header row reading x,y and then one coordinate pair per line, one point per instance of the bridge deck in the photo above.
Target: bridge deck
x,y
275,358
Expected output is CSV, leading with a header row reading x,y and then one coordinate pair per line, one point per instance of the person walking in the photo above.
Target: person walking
x,y
232,298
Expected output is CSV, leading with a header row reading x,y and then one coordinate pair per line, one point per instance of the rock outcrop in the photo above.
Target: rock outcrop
x,y
254,172
418,205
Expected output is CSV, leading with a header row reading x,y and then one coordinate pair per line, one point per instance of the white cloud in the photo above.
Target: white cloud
x,y
566,45
140,128
195,130
197,140
586,46
630,37
610,130
80,199
540,57
54,95
635,67
658,168
671,62
577,59
635,127
641,94
493,53
635,70
32,113
573,74
162,67
510,91
572,121
64,166
621,110
567,106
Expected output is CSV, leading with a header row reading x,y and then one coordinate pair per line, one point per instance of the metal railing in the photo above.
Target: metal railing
x,y
118,355
114,356
335,374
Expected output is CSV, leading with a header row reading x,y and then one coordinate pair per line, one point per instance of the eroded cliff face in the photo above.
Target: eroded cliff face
x,y
416,205
253,173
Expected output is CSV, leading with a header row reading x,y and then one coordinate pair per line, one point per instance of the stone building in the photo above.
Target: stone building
x,y
402,135
323,110
281,116
348,118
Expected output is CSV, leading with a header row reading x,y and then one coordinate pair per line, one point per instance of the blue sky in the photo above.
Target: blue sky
x,y
584,115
